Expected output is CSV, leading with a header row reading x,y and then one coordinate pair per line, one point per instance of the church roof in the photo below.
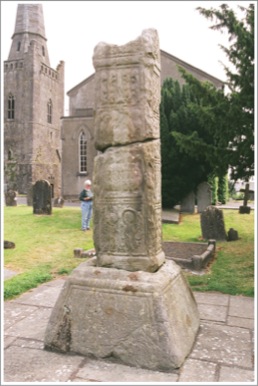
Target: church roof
x,y
173,58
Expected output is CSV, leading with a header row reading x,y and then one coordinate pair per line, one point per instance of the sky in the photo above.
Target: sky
x,y
74,28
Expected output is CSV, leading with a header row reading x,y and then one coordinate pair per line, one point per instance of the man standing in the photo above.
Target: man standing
x,y
86,197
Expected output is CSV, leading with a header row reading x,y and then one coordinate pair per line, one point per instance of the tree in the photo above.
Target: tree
x,y
182,170
240,116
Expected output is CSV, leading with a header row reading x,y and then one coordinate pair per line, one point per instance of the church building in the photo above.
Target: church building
x,y
33,105
39,142
78,128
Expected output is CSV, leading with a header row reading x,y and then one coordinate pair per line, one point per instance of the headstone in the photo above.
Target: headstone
x,y
203,196
58,202
9,244
127,303
77,252
188,203
30,195
42,193
244,209
212,224
232,235
11,198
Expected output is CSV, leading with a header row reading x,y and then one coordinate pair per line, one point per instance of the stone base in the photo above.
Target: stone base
x,y
244,209
142,319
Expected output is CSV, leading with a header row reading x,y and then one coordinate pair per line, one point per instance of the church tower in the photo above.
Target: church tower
x,y
33,106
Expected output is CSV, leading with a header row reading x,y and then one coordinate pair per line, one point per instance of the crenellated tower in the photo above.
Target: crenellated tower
x,y
33,106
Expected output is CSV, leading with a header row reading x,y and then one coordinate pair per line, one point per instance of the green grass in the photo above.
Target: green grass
x,y
232,270
45,244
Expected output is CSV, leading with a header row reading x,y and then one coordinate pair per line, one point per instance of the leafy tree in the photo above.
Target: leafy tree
x,y
182,170
208,137
223,194
213,182
240,116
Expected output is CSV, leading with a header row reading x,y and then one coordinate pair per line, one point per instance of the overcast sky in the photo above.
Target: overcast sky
x,y
74,28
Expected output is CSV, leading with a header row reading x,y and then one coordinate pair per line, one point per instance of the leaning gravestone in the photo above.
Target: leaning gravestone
x,y
127,303
58,202
42,192
212,224
30,195
203,196
188,203
11,198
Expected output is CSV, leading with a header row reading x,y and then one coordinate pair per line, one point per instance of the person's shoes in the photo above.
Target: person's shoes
x,y
88,228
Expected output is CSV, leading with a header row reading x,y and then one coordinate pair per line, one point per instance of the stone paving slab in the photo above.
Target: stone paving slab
x,y
33,326
102,371
234,374
213,312
215,298
223,351
241,322
224,345
241,307
30,365
195,370
13,313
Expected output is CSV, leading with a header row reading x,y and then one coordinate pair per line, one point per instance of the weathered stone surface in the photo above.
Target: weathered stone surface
x,y
127,303
127,180
188,203
102,370
212,224
58,202
225,345
194,370
9,244
203,196
143,319
244,209
232,235
11,198
127,91
42,197
127,207
30,195
35,366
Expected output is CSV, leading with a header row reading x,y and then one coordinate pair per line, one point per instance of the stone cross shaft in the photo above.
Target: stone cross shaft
x,y
127,176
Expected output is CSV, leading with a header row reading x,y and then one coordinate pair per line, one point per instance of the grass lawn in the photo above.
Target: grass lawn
x,y
45,244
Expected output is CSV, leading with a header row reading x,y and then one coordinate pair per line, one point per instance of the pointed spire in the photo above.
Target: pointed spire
x,y
30,19
29,26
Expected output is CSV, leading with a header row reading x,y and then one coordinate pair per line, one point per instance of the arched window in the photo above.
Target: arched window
x,y
18,46
11,106
43,50
83,153
10,155
49,111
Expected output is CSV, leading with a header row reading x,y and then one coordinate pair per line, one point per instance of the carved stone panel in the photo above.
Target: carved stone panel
x,y
127,206
127,91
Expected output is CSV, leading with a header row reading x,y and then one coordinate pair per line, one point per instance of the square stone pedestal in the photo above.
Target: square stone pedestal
x,y
142,319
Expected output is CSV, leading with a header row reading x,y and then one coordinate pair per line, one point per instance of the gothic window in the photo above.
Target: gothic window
x,y
10,155
83,153
18,46
11,106
49,111
43,50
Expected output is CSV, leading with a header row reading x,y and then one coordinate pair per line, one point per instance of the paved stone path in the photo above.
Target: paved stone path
x,y
223,351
